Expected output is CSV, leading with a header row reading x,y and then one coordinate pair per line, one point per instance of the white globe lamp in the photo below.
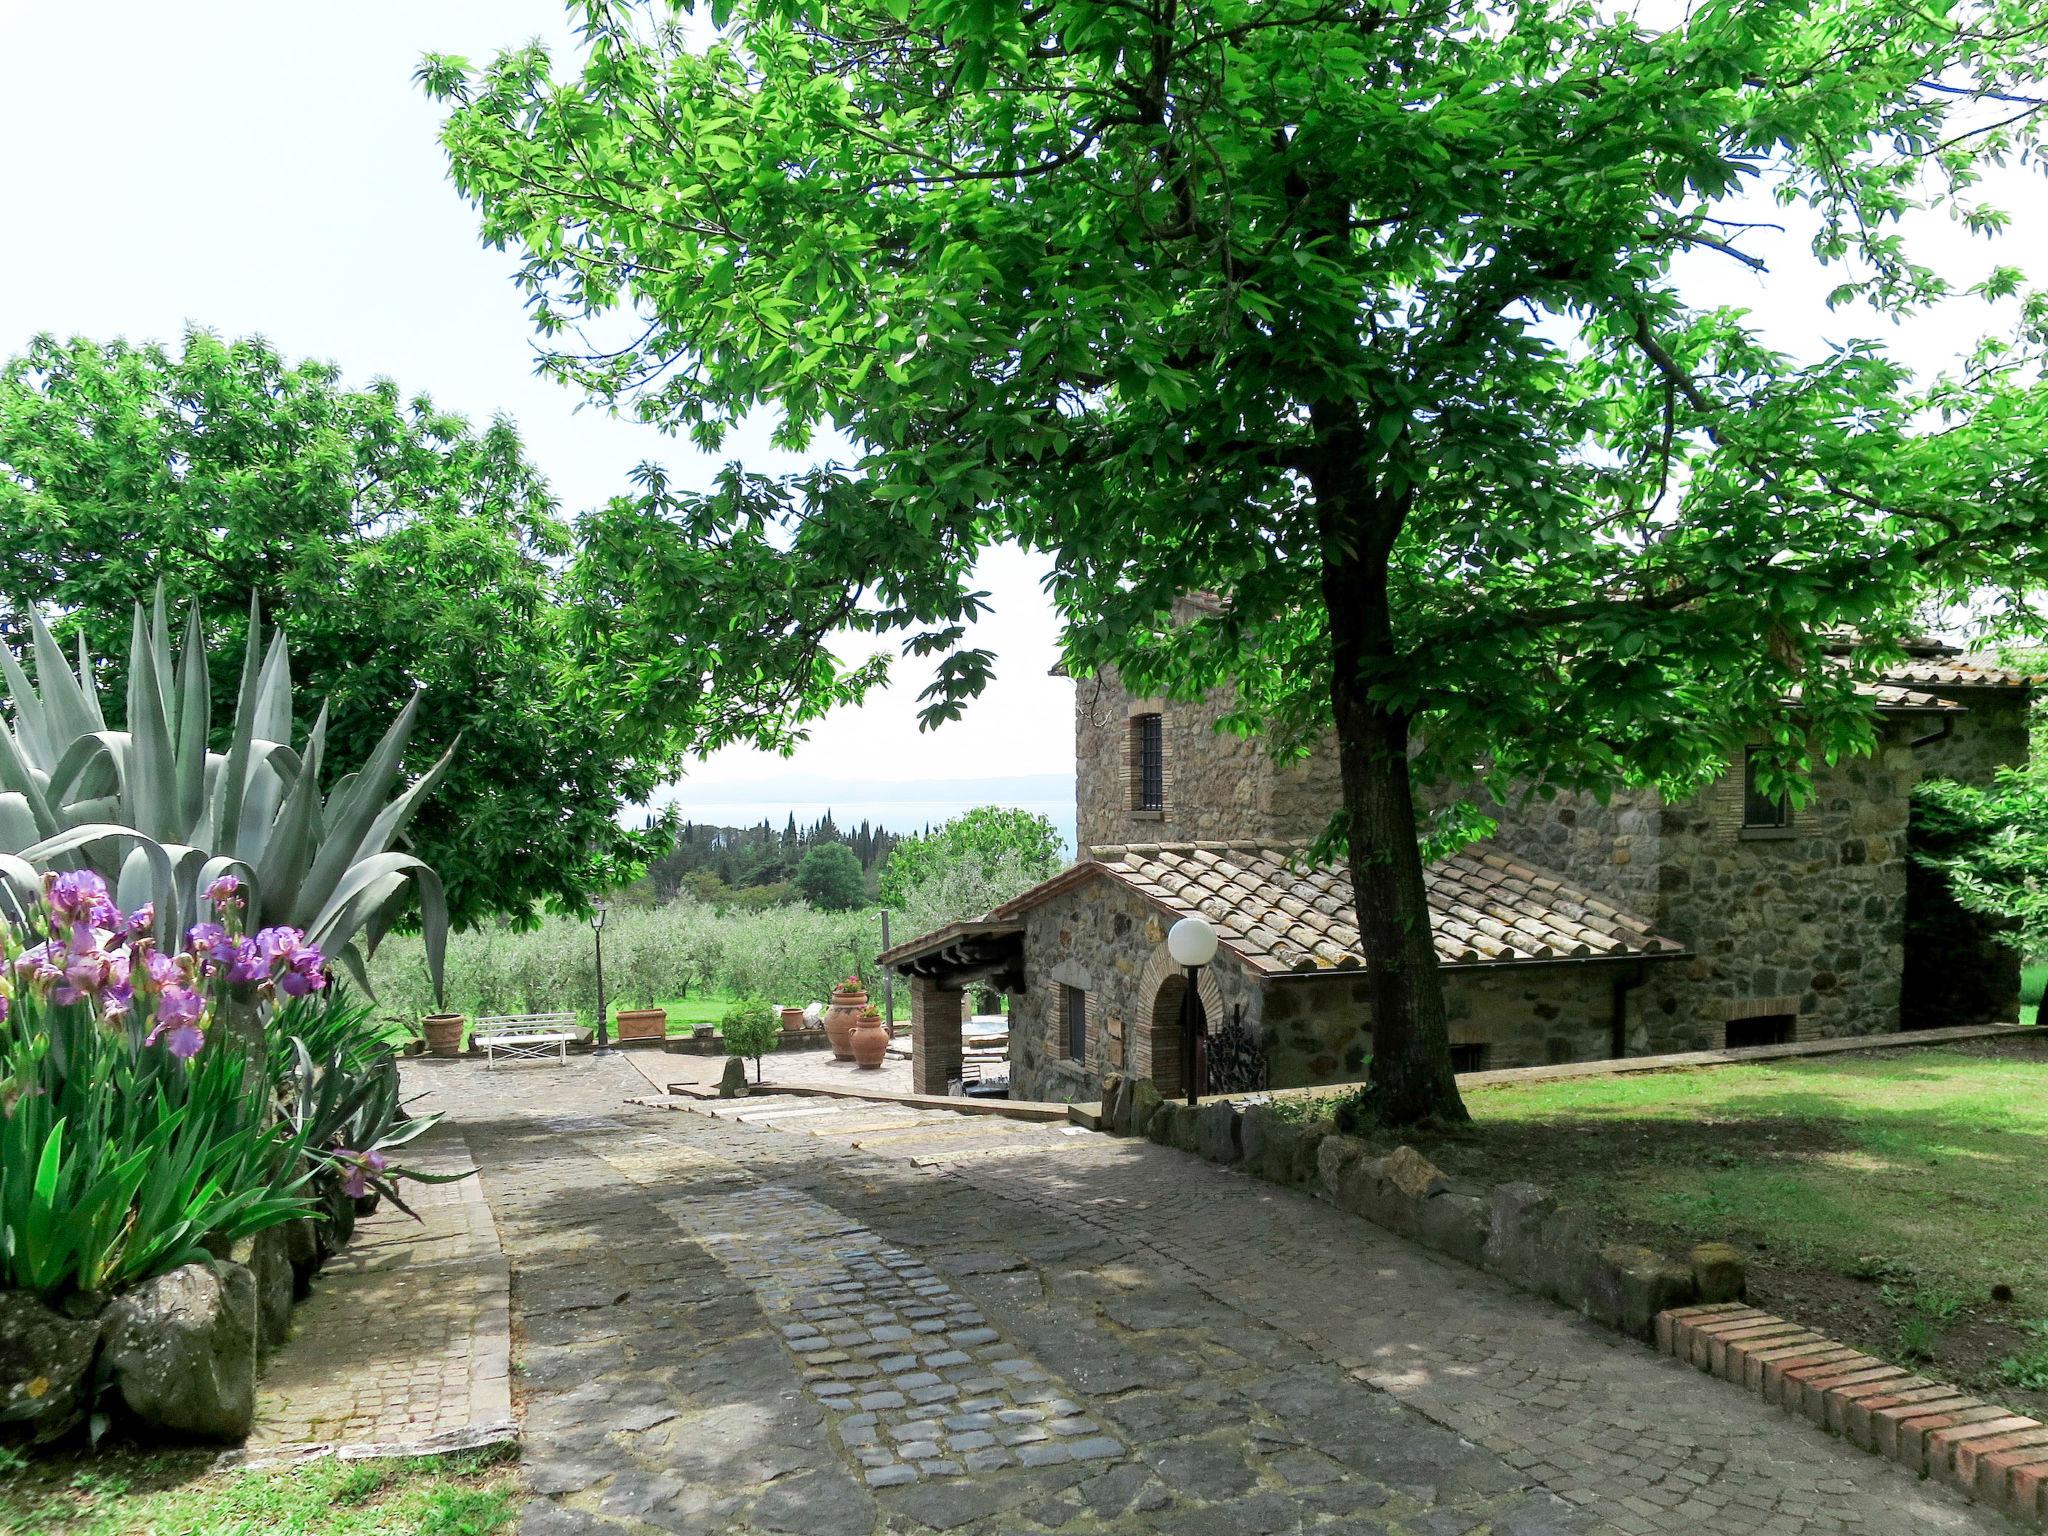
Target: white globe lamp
x,y
1191,942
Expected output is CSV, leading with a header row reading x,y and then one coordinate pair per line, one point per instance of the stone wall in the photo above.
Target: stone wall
x,y
1992,735
1808,920
1611,849
1109,942
1219,787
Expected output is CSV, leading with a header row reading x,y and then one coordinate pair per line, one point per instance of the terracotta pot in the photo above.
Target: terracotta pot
x,y
641,1024
444,1033
870,1042
792,1018
847,1001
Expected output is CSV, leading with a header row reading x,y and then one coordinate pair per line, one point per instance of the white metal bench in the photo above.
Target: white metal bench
x,y
525,1036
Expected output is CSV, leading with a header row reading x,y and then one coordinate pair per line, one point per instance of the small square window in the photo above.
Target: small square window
x,y
1765,1029
1148,763
1468,1058
1758,808
1074,1008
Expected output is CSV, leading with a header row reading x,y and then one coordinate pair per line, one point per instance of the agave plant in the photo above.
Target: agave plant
x,y
160,816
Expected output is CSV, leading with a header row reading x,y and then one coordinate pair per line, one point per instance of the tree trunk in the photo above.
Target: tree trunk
x,y
1411,1076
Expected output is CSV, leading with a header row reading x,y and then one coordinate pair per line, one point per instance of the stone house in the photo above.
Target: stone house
x,y
1581,930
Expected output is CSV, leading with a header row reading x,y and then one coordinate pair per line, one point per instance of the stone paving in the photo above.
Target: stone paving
x,y
1262,1362
405,1343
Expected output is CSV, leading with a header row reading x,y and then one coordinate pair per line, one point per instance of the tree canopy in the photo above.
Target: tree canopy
x,y
830,877
983,837
1394,323
400,545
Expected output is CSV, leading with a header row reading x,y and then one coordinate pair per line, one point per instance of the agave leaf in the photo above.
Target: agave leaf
x,y
18,777
94,765
151,790
227,800
29,721
160,653
20,886
295,835
195,703
369,886
352,811
66,711
396,816
273,703
18,826
88,683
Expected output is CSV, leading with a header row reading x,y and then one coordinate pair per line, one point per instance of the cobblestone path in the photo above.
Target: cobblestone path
x,y
1151,1343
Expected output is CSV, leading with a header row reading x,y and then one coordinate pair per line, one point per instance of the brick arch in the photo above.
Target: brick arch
x,y
1157,1051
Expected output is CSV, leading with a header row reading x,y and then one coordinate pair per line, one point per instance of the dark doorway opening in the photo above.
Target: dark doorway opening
x,y
1764,1029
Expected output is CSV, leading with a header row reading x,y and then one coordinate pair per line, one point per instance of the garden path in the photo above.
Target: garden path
x,y
404,1345
838,1318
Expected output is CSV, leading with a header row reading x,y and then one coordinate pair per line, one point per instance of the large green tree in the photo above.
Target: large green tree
x,y
985,836
399,545
1395,322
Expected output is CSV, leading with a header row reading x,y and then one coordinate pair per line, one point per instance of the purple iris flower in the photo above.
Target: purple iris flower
x,y
177,1022
161,969
79,895
3,1007
141,920
361,1166
222,893
247,963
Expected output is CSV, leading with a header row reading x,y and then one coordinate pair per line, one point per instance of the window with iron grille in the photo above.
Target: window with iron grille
x,y
1148,763
1758,808
1765,1029
1468,1058
1075,1003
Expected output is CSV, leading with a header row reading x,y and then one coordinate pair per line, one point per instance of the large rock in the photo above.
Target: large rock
x,y
733,1083
1270,1141
1145,1102
1717,1269
302,1249
267,1257
1336,1156
1308,1146
45,1358
1455,1224
1216,1132
181,1351
1631,1285
1113,1102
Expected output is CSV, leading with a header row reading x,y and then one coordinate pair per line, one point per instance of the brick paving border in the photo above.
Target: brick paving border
x,y
1988,1453
405,1346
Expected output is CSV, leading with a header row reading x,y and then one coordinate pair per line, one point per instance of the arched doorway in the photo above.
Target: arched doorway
x,y
1164,1034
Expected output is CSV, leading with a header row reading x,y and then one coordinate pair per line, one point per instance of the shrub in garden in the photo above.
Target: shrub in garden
x,y
750,1028
135,1133
161,818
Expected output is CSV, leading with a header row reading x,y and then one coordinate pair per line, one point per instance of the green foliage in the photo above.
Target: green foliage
x,y
160,816
830,877
2029,1368
984,838
1392,324
408,549
790,953
1991,843
118,1163
750,1028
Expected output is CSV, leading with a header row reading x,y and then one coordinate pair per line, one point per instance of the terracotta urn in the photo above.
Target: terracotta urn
x,y
641,1024
848,998
870,1040
792,1019
444,1033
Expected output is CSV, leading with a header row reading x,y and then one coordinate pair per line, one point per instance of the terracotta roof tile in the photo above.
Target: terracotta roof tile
x,y
1282,916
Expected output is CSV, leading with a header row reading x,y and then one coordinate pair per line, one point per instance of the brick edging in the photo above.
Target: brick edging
x,y
1991,1454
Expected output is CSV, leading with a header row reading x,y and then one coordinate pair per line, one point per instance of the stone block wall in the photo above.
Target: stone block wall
x,y
1808,921
1110,943
1219,787
1992,735
1611,849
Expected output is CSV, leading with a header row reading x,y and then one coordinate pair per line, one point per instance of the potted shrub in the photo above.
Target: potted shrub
x,y
848,998
870,1039
444,1033
750,1028
640,1024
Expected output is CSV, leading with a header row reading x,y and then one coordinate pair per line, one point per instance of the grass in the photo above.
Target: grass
x,y
1893,1199
178,1494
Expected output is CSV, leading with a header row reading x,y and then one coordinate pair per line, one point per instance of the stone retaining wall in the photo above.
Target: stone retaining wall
x,y
1518,1231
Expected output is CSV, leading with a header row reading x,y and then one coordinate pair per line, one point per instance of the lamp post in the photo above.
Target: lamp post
x,y
604,1042
1192,944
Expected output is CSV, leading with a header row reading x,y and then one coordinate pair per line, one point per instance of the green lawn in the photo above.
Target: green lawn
x,y
177,1494
1895,1198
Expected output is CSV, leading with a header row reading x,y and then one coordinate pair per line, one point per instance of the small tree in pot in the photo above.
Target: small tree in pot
x,y
750,1028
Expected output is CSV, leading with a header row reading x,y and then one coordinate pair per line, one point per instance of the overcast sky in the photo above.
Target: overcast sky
x,y
271,168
